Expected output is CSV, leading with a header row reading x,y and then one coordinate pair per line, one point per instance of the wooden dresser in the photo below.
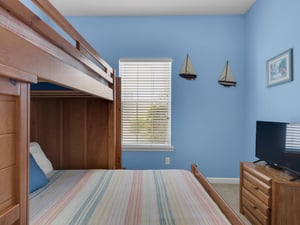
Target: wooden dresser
x,y
267,196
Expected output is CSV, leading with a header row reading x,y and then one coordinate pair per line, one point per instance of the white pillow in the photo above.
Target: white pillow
x,y
40,158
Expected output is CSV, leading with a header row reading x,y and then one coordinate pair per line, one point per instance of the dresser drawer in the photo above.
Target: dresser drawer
x,y
263,178
255,190
256,203
256,183
251,217
255,207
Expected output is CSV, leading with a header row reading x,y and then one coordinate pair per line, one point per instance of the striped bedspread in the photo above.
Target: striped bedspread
x,y
123,197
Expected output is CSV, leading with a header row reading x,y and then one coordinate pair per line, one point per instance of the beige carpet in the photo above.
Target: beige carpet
x,y
230,193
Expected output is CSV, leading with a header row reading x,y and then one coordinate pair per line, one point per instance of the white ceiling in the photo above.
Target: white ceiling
x,y
150,7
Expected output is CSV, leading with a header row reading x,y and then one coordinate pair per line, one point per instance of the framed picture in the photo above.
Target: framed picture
x,y
280,68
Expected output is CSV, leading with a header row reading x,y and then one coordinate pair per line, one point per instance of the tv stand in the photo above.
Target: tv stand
x,y
295,178
268,196
259,160
273,166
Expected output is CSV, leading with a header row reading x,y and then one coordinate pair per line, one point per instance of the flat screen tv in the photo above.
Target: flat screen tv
x,y
278,144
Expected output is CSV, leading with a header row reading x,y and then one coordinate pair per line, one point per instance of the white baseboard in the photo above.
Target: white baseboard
x,y
221,180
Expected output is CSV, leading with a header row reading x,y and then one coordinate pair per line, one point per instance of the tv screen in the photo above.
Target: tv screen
x,y
278,144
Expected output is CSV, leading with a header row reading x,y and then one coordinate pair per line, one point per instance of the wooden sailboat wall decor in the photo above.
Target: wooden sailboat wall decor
x,y
187,71
226,79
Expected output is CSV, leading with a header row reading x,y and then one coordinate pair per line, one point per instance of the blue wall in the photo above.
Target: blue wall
x,y
30,5
271,28
207,119
36,10
212,126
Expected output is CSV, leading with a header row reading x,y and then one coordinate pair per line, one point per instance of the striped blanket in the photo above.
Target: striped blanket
x,y
123,197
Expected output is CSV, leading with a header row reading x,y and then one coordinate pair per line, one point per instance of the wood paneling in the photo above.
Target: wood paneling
x,y
73,132
45,118
8,184
97,139
7,115
14,153
7,147
10,215
7,150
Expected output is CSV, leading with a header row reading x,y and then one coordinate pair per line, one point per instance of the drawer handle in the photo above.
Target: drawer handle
x,y
256,188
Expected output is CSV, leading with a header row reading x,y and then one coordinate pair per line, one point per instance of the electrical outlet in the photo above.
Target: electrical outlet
x,y
167,161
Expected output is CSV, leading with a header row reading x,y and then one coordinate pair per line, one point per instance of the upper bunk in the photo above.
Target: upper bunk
x,y
33,51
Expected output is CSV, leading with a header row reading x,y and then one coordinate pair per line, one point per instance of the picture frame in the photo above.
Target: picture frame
x,y
280,68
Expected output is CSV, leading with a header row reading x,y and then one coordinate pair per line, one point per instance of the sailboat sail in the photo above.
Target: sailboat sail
x,y
187,71
226,79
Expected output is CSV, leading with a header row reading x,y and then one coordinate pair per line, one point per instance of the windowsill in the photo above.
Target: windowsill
x,y
148,148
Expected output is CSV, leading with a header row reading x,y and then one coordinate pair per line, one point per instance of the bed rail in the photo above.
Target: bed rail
x,y
81,44
225,208
78,58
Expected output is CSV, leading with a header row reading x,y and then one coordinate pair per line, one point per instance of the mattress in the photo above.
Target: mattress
x,y
124,197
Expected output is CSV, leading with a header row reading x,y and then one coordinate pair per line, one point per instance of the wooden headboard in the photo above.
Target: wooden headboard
x,y
77,129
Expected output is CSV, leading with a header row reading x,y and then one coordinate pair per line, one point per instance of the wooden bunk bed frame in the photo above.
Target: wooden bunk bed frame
x,y
30,52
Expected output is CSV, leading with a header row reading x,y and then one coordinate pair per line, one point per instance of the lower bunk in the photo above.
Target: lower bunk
x,y
133,197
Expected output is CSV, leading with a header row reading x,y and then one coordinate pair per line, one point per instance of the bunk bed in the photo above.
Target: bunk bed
x,y
62,121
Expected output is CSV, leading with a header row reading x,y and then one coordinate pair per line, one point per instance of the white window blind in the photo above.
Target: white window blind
x,y
292,142
146,103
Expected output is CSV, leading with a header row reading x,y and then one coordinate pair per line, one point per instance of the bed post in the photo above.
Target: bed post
x,y
118,124
112,127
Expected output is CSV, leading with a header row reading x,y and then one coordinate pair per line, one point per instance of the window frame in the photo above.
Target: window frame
x,y
149,147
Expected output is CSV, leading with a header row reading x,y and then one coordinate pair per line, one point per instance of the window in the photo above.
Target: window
x,y
146,103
